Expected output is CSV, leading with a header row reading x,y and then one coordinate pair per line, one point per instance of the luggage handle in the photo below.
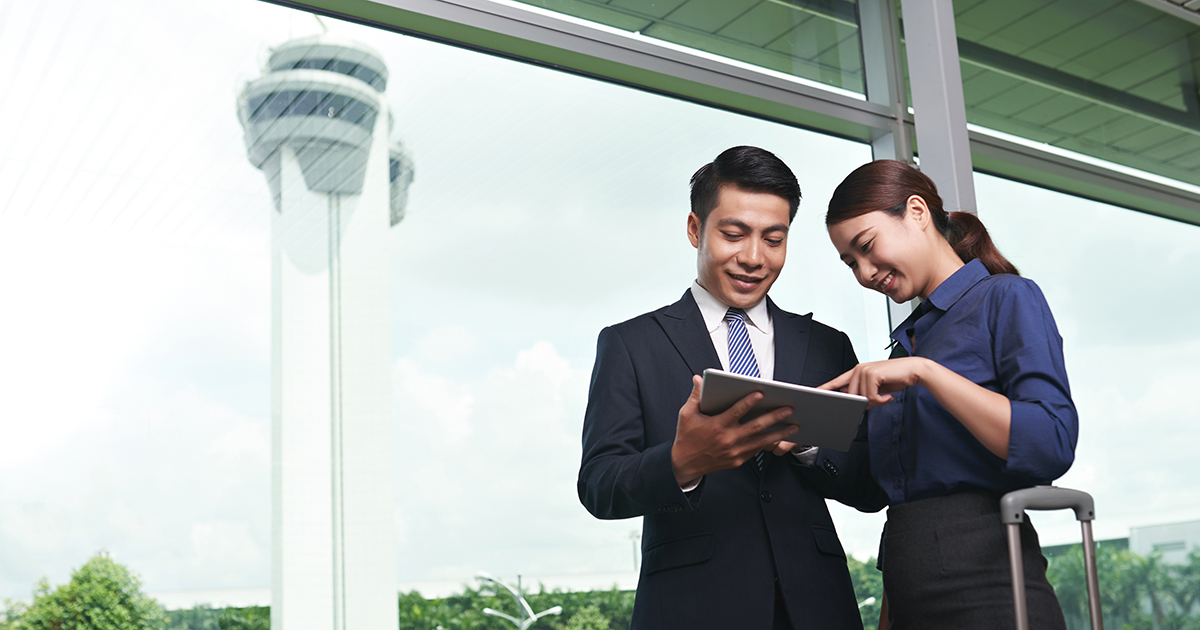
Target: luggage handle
x,y
1014,504
1012,513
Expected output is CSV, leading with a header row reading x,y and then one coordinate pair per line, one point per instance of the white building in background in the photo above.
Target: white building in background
x,y
317,125
1173,540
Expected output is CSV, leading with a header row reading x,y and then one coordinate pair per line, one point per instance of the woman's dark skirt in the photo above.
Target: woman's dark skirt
x,y
946,566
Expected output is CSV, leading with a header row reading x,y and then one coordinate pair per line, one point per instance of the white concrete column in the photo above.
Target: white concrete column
x,y
938,104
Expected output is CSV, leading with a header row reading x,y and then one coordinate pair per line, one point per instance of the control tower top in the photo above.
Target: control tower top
x,y
320,96
333,54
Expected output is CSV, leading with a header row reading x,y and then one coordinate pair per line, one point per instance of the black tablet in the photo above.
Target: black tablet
x,y
826,419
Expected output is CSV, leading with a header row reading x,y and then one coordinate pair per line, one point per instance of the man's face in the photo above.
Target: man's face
x,y
741,248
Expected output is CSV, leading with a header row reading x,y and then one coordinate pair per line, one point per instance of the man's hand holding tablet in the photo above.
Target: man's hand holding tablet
x,y
708,443
823,418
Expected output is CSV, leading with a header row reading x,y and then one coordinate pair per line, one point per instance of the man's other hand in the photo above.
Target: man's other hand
x,y
709,444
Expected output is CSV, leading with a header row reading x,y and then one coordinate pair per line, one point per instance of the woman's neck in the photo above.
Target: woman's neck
x,y
945,263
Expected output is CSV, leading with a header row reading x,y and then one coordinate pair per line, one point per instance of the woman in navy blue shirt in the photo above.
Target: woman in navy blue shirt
x,y
973,403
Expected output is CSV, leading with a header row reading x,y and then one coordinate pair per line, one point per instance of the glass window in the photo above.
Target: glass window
x,y
812,39
1117,283
1111,79
151,261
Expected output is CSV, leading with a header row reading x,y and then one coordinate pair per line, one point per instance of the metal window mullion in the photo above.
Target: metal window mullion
x,y
641,52
879,34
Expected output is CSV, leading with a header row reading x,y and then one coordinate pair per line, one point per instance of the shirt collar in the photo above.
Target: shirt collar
x,y
713,311
948,293
953,288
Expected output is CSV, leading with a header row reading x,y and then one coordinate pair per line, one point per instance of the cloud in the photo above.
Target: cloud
x,y
444,406
505,495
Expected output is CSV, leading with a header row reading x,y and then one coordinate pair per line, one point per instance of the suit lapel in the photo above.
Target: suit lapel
x,y
791,342
684,326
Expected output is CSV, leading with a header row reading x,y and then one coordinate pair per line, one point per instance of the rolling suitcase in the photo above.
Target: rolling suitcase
x,y
1012,513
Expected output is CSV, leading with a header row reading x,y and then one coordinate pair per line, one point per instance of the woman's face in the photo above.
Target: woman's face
x,y
889,254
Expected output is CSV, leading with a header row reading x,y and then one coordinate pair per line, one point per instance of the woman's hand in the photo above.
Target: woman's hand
x,y
985,413
878,379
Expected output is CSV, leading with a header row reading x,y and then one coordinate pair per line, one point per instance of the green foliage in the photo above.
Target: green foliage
x,y
11,615
1135,592
102,595
588,618
202,617
465,611
868,582
205,617
248,618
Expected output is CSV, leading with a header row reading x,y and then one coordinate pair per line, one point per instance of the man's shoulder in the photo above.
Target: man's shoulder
x,y
675,310
806,321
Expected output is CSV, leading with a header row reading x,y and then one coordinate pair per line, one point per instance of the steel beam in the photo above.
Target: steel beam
x,y
938,104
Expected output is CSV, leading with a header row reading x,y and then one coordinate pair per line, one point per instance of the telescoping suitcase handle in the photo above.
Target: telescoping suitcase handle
x,y
1012,513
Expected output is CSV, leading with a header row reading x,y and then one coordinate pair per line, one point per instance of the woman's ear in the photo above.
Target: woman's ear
x,y
918,211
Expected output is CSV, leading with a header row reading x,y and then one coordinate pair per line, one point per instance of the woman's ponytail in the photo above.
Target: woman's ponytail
x,y
970,239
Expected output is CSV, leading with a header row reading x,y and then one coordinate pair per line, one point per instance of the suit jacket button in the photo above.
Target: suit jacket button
x,y
765,496
831,467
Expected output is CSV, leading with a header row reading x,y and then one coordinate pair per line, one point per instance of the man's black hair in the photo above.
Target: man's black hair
x,y
748,168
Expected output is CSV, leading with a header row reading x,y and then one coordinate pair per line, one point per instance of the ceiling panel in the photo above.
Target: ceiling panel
x,y
710,16
764,24
1086,118
652,8
1108,78
813,39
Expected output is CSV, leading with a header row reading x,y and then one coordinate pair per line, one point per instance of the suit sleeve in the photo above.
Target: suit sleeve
x,y
619,477
846,477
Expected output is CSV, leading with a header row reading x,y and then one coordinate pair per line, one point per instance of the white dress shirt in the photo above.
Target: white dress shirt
x,y
758,327
761,330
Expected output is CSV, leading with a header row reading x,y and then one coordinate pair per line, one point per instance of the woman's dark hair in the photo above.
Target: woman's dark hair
x,y
887,184
748,168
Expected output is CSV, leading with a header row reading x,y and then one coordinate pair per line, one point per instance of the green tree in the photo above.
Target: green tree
x,y
202,617
588,618
868,583
102,595
11,615
248,618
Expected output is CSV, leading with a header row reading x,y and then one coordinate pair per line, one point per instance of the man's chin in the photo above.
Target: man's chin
x,y
745,299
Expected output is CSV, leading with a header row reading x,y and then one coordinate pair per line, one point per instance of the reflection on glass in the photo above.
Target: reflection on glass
x,y
317,125
1115,80
812,39
181,318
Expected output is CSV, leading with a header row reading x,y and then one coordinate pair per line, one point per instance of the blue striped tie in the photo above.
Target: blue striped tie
x,y
741,356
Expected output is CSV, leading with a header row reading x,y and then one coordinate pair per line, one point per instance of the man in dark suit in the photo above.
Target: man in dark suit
x,y
735,536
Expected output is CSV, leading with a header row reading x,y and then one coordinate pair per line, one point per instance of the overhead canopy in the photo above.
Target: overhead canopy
x,y
1110,79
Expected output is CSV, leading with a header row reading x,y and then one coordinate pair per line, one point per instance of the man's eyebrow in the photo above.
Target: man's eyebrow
x,y
778,227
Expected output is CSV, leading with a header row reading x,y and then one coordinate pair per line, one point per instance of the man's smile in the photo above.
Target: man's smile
x,y
747,282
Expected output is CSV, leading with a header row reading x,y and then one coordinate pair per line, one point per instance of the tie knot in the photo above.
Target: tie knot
x,y
735,314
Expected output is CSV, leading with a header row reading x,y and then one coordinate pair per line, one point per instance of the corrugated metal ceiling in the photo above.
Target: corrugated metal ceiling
x,y
1112,79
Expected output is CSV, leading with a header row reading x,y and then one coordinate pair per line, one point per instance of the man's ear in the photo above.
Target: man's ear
x,y
693,229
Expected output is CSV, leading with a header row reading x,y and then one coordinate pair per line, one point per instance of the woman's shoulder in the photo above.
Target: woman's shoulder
x,y
1007,284
1009,293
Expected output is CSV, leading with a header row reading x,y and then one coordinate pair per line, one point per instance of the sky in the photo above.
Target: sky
x,y
135,283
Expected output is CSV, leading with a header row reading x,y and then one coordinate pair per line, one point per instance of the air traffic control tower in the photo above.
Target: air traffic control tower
x,y
317,125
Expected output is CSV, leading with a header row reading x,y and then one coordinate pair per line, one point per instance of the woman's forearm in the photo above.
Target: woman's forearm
x,y
985,413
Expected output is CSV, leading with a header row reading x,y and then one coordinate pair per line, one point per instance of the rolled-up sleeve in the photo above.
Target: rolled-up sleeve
x,y
1032,373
